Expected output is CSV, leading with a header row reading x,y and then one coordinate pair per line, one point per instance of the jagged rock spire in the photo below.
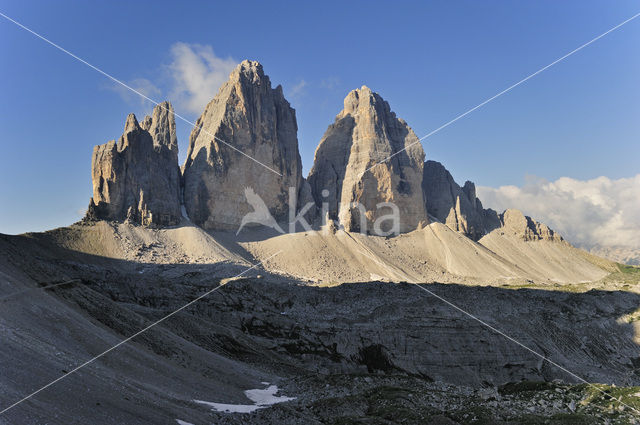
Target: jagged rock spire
x,y
457,207
137,178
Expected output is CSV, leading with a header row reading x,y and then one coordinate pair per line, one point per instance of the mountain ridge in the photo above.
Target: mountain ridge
x,y
248,114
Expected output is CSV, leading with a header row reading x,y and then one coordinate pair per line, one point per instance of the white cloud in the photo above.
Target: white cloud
x,y
330,83
197,75
298,89
599,212
141,85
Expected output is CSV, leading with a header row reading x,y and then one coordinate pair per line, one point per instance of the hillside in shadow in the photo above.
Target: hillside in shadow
x,y
265,328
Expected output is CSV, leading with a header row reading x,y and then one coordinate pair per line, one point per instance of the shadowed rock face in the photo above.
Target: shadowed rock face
x,y
363,134
460,209
457,207
258,121
137,178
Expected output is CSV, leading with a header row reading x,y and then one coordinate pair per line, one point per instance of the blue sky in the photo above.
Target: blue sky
x,y
431,61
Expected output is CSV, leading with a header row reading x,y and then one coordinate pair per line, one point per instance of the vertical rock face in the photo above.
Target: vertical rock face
x,y
457,207
363,134
137,178
258,121
162,127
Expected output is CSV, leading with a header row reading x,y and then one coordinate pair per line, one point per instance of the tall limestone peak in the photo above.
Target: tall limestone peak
x,y
137,178
258,122
364,133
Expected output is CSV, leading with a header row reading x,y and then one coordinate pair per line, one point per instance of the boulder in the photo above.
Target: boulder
x,y
347,170
137,178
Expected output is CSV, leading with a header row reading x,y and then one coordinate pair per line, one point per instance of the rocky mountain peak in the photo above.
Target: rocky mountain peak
x,y
137,178
469,190
516,223
256,120
244,145
131,124
162,126
248,72
369,103
364,133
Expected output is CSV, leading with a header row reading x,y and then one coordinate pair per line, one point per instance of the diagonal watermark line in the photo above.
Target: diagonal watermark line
x,y
498,331
124,341
515,341
480,105
111,77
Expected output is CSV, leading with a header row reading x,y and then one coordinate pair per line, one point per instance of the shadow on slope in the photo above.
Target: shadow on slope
x,y
268,329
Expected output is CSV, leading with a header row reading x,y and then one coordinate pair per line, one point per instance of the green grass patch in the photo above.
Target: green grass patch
x,y
635,270
609,396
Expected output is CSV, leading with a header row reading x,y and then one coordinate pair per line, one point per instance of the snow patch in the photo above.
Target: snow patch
x,y
267,396
261,399
183,422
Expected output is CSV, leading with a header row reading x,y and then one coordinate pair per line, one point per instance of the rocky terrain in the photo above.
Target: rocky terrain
x,y
464,316
370,351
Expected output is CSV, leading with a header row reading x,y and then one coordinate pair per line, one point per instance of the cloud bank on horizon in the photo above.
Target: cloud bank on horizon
x,y
588,213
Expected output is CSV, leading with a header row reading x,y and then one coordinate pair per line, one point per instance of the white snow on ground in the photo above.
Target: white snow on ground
x,y
261,399
267,396
183,422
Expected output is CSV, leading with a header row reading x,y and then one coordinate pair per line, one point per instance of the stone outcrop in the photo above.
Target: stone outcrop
x,y
515,223
258,122
461,210
137,178
345,171
457,207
